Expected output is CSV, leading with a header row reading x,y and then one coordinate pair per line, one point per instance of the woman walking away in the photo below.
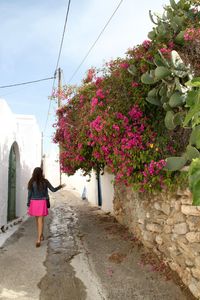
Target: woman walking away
x,y
37,200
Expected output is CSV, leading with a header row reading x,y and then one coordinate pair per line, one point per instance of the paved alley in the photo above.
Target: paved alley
x,y
86,255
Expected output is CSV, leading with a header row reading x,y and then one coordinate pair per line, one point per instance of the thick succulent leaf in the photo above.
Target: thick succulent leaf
x,y
195,137
162,72
175,163
192,152
153,92
146,78
152,35
154,100
178,118
177,99
163,90
133,70
177,62
180,38
173,4
179,21
164,99
166,107
169,120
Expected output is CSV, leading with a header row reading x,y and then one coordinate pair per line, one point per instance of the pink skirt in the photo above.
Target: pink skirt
x,y
38,208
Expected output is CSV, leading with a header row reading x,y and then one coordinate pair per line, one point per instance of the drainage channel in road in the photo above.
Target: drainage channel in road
x,y
69,273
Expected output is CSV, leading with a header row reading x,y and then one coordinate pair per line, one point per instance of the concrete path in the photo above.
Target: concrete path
x,y
89,257
21,264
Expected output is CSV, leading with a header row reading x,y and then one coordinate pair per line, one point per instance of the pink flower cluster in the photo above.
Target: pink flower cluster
x,y
154,168
117,139
192,34
146,44
124,65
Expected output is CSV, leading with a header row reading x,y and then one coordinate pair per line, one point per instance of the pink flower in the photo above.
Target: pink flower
x,y
146,44
116,127
100,94
94,102
165,50
171,45
124,65
134,84
135,113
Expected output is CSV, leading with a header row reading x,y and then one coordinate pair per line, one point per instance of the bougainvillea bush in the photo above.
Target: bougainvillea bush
x,y
107,122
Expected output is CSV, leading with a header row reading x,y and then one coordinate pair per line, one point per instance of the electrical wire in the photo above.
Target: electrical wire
x,y
57,63
90,49
26,82
63,35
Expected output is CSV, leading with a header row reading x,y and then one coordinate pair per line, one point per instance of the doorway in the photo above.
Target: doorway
x,y
12,169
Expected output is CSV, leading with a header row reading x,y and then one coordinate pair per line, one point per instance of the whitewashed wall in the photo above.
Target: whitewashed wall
x,y
107,191
79,183
24,133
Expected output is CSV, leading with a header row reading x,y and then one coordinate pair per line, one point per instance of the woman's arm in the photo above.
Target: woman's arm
x,y
29,197
53,189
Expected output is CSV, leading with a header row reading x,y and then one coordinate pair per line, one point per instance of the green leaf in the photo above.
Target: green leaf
x,y
177,99
166,107
178,118
152,35
191,98
154,100
196,193
153,92
146,78
169,120
175,163
179,39
164,99
179,21
133,70
163,90
191,113
173,4
195,82
158,61
192,152
162,72
195,137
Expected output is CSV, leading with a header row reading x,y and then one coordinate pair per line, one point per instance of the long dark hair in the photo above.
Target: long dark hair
x,y
37,177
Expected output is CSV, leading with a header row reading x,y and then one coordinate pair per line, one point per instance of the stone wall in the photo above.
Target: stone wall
x,y
169,225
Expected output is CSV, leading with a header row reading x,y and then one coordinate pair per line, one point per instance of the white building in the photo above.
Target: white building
x,y
20,153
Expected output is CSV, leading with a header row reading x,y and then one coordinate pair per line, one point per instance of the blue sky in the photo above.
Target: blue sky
x,y
30,38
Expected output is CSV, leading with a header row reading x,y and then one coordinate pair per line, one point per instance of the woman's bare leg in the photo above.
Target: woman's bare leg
x,y
40,227
36,220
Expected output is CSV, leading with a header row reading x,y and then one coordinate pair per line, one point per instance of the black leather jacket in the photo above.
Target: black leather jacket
x,y
37,194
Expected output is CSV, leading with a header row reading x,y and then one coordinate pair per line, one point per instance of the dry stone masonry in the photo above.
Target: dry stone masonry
x,y
169,225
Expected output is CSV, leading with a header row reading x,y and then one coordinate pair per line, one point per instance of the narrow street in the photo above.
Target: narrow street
x,y
86,255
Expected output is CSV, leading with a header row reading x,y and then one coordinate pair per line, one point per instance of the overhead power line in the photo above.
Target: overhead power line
x,y
58,60
63,35
92,46
26,82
